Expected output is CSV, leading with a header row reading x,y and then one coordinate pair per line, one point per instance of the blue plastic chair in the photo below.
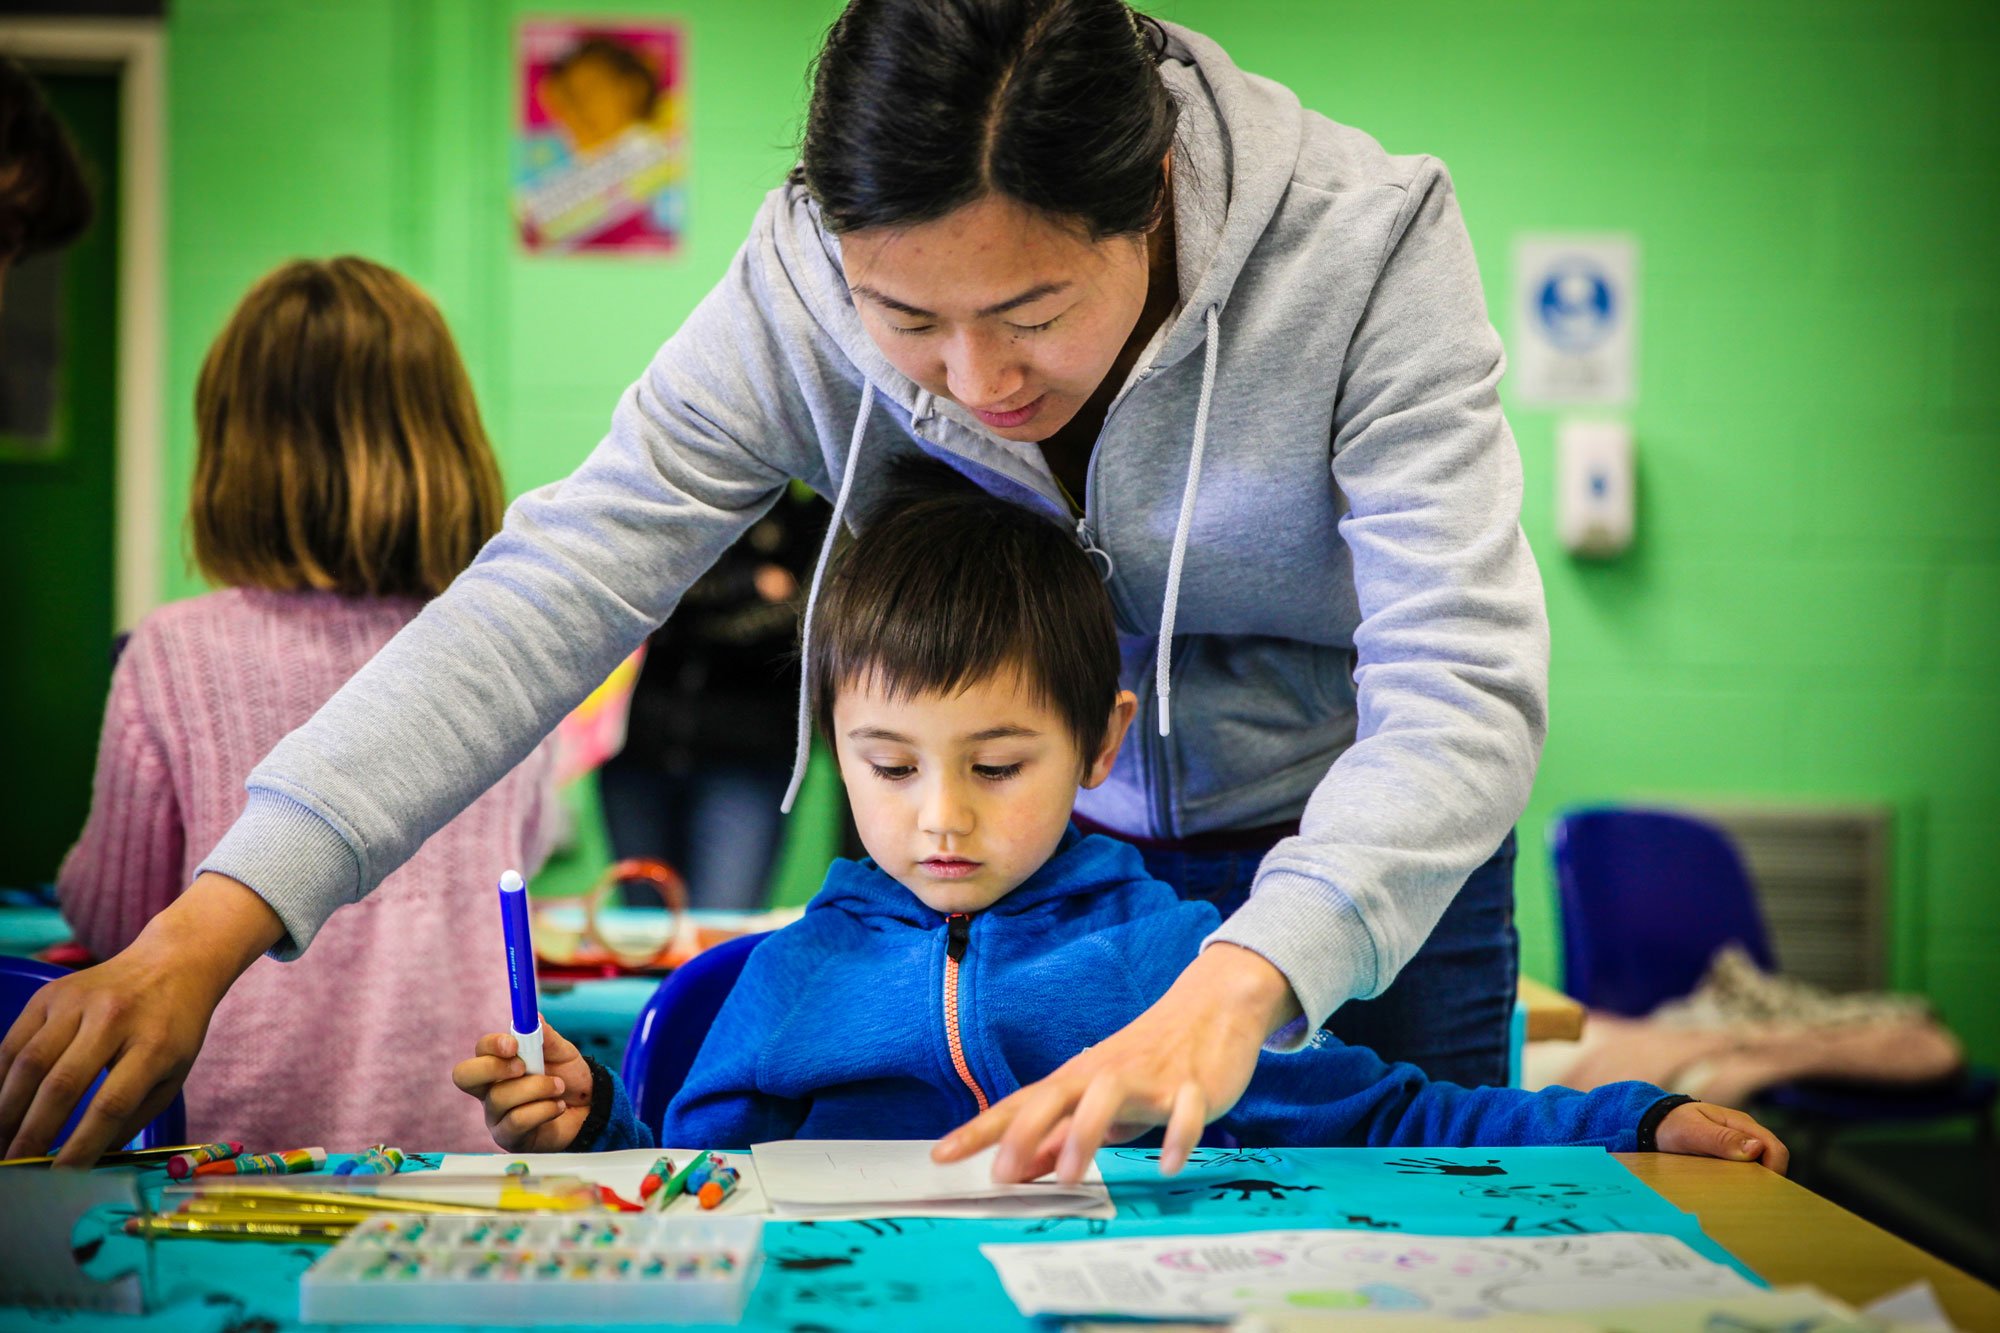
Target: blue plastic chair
x,y
20,978
670,1029
1648,898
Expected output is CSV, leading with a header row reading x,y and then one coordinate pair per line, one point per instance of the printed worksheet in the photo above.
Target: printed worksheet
x,y
1789,1310
1349,1271
857,1178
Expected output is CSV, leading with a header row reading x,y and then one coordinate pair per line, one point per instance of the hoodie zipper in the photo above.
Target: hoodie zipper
x,y
958,935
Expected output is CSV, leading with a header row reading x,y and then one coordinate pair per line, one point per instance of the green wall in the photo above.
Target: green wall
x,y
380,127
1810,606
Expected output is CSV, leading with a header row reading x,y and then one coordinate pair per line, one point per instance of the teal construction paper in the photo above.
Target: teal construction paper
x,y
904,1275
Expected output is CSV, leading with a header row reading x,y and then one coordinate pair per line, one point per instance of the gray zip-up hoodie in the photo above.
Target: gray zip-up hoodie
x,y
1306,487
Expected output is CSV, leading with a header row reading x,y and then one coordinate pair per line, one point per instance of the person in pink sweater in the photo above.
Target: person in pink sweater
x,y
342,479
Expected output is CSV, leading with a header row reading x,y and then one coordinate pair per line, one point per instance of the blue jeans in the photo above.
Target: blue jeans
x,y
719,827
1449,1010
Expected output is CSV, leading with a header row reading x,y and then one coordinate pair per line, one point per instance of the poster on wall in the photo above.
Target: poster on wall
x,y
600,143
1576,320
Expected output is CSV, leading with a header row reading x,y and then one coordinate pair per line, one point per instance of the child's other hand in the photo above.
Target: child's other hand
x,y
1700,1129
528,1112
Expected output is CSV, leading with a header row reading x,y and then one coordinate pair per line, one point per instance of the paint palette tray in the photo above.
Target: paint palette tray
x,y
632,1268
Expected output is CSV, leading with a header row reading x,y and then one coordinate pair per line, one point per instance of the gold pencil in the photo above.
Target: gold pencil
x,y
136,1157
207,1228
265,1196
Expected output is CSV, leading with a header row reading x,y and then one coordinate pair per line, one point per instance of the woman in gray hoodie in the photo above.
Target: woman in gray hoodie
x,y
1082,258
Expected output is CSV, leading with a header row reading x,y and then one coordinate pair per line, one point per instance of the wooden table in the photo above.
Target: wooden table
x,y
1552,1015
1790,1235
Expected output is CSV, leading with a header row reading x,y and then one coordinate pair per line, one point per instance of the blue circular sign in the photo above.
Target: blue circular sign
x,y
1574,305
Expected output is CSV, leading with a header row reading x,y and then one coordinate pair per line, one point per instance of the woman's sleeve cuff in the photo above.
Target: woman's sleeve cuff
x,y
293,859
607,1092
1310,932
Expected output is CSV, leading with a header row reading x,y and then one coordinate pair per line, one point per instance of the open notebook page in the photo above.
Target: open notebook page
x,y
849,1178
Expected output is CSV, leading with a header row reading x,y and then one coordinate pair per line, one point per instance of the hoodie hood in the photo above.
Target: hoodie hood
x,y
1094,876
1235,146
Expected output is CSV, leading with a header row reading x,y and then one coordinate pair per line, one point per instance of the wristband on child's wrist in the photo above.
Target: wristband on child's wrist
x,y
1649,1123
592,1128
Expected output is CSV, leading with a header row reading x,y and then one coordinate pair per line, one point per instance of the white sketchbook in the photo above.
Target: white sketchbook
x,y
860,1178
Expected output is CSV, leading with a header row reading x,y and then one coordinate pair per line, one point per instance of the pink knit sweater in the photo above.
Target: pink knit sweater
x,y
352,1043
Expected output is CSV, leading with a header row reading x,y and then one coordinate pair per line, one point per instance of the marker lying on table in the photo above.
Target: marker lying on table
x,y
380,1160
267,1164
182,1164
657,1175
521,970
718,1186
711,1163
679,1182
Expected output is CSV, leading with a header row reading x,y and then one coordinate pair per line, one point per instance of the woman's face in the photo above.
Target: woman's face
x,y
1009,314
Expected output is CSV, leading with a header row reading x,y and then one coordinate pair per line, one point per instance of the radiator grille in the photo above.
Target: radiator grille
x,y
1821,875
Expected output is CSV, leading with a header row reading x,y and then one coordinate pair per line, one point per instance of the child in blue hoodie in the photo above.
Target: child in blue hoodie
x,y
964,665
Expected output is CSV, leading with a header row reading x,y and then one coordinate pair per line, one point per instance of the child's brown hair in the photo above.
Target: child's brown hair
x,y
947,585
339,444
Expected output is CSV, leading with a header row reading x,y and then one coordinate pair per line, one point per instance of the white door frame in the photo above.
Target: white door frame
x,y
135,50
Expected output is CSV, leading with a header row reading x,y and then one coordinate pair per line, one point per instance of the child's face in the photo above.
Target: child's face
x,y
594,102
962,797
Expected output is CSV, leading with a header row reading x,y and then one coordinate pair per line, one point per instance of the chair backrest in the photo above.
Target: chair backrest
x,y
20,978
670,1029
1648,897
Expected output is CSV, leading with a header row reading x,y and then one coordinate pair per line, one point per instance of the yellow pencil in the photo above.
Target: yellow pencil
x,y
203,1228
136,1157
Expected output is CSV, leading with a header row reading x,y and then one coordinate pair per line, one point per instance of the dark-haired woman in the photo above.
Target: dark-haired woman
x,y
1089,263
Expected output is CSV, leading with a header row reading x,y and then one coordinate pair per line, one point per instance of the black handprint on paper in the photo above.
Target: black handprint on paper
x,y
1442,1166
1363,1220
1248,1189
794,1262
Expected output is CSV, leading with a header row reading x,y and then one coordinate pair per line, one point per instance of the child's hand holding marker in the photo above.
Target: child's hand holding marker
x,y
528,1112
534,1083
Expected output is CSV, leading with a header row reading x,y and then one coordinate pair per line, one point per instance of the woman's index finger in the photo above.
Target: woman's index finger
x,y
979,1133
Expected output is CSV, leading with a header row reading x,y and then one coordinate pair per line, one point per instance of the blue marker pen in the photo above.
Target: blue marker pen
x,y
521,969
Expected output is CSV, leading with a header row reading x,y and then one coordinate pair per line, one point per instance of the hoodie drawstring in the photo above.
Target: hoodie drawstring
x,y
1162,684
803,752
1161,666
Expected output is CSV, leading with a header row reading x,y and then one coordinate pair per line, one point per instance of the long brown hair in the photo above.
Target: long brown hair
x,y
339,445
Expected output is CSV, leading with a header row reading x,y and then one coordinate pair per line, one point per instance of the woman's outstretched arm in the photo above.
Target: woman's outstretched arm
x,y
138,1016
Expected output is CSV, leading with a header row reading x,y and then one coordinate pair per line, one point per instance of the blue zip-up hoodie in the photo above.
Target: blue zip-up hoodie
x,y
875,1017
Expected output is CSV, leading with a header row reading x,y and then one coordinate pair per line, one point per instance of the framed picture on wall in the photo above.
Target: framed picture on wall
x,y
600,142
